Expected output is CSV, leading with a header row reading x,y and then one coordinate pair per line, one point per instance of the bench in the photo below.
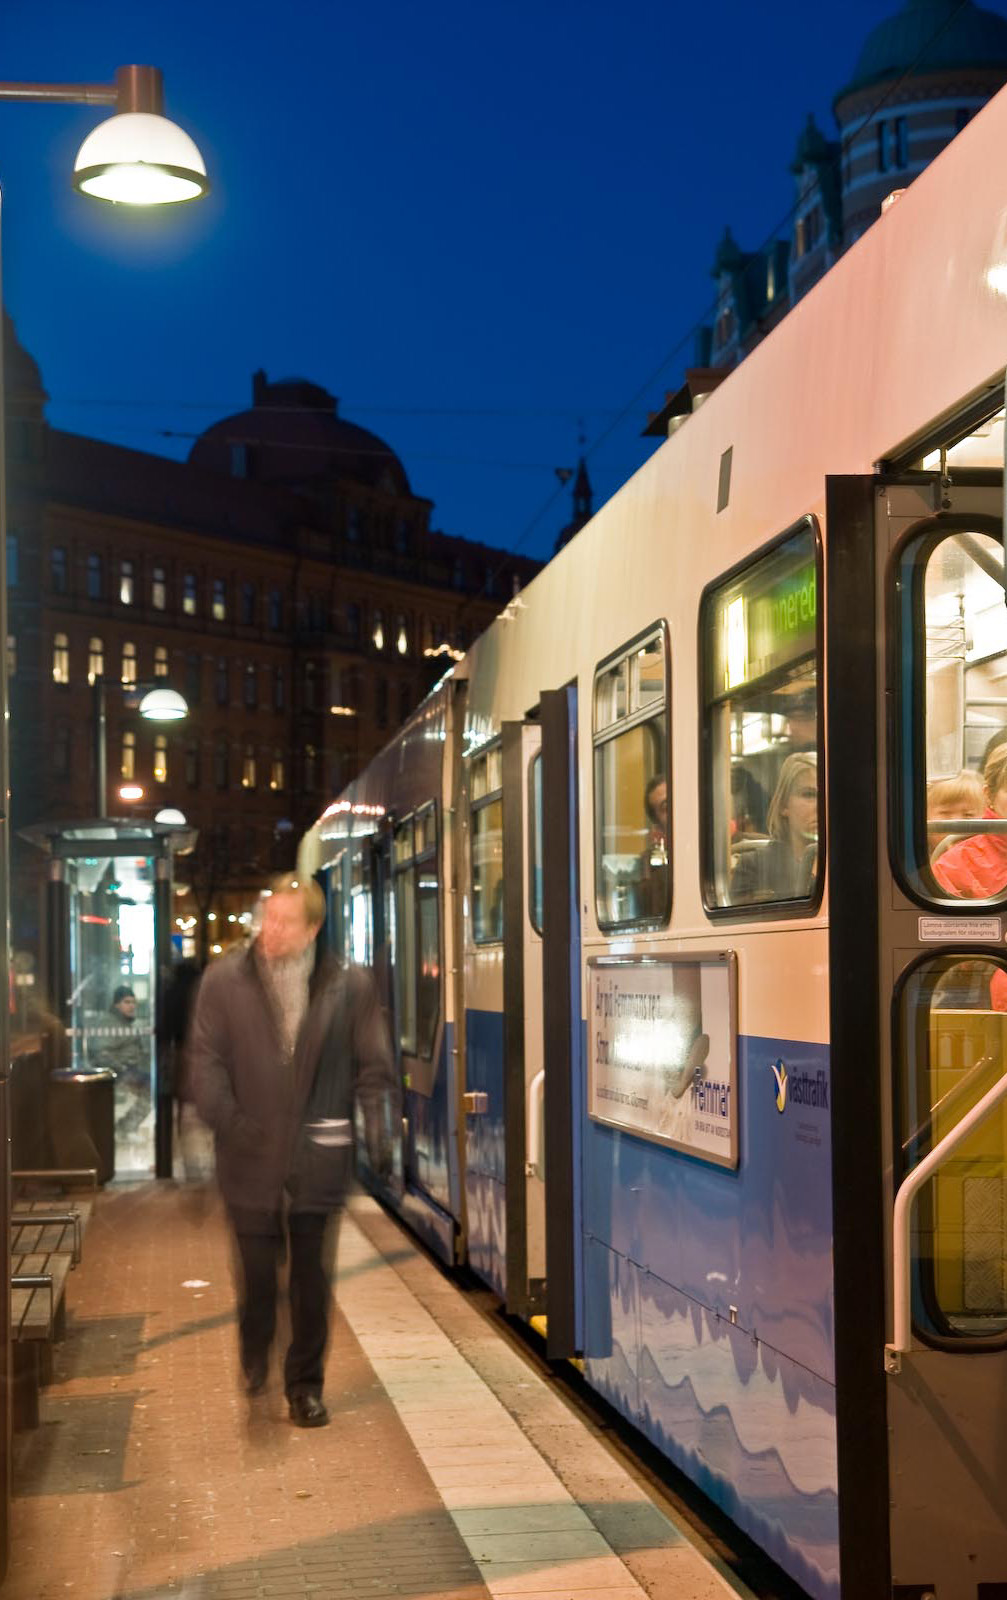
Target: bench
x,y
58,1221
38,1317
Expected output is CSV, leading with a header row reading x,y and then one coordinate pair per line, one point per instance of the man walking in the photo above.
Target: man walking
x,y
284,1044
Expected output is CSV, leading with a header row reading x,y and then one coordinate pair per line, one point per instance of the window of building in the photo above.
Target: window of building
x,y
58,576
632,786
221,764
800,246
353,621
249,601
13,554
158,589
251,685
378,631
348,688
60,658
127,759
416,956
901,142
248,767
486,811
95,577
189,594
193,677
222,681
381,702
310,768
949,1052
160,661
882,146
279,689
405,700
401,635
127,672
952,762
219,603
127,583
95,658
61,750
353,524
275,610
310,686
11,655
401,537
192,764
160,758
277,774
761,773
458,574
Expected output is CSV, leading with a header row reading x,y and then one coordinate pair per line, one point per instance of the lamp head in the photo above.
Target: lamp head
x,y
163,705
137,157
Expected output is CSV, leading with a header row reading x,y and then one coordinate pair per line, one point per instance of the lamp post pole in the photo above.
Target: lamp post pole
x,y
99,730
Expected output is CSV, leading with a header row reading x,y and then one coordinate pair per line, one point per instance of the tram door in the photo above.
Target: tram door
x,y
917,666
524,1064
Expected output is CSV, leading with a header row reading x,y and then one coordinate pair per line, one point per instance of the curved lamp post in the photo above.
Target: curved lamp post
x,y
159,704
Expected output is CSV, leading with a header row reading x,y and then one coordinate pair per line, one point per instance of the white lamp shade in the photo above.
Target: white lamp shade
x,y
163,705
170,815
139,159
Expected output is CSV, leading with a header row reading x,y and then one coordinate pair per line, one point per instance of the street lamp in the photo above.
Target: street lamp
x,y
159,704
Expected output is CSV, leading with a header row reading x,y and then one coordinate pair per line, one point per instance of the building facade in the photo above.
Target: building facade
x,y
285,579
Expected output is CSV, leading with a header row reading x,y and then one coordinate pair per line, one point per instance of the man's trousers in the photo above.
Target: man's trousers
x,y
260,1238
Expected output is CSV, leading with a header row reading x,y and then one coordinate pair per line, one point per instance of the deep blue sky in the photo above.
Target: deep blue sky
x,y
473,223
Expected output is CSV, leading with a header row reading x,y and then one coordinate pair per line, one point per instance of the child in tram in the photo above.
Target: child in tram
x,y
976,867
960,796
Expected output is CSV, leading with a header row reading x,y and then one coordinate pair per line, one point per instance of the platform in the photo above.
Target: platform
x,y
451,1469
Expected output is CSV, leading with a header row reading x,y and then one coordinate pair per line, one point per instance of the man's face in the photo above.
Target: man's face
x,y
284,932
126,1007
659,807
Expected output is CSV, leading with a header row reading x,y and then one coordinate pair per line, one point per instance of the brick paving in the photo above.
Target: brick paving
x,y
152,1474
450,1468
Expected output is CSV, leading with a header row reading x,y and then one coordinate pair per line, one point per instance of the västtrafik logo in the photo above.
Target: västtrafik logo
x,y
780,1074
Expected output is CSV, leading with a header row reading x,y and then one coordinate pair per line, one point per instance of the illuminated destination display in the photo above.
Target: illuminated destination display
x,y
661,1051
770,621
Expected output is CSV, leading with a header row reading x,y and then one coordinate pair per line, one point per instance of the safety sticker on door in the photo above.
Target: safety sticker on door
x,y
958,930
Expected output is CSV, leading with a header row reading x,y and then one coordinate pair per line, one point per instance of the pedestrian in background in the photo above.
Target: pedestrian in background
x,y
284,1044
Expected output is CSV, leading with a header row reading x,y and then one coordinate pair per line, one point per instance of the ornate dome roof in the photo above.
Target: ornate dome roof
x,y
293,436
22,377
966,36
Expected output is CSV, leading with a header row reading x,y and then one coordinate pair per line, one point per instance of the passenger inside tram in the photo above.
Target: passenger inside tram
x,y
784,867
652,862
952,799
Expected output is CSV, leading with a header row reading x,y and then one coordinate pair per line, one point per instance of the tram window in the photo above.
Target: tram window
x,y
486,800
416,941
535,843
631,787
952,1048
762,775
952,806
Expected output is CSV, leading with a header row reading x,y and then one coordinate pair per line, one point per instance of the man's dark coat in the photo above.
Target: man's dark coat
x,y
258,1102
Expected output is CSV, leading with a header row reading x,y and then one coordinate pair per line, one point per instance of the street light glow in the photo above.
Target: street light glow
x,y
131,791
137,158
163,705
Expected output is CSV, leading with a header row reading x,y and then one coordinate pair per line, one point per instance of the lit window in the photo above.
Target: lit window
x,y
160,758
189,594
60,659
95,659
158,589
160,661
378,631
402,637
128,674
127,765
277,776
248,768
126,583
219,606
11,655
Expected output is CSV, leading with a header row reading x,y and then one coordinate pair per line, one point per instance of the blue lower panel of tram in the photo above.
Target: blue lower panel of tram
x,y
485,1177
430,1201
708,1306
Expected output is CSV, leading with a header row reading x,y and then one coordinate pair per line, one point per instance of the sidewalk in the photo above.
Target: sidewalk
x,y
450,1469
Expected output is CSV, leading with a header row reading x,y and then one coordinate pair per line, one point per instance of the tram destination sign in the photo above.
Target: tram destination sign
x,y
662,1050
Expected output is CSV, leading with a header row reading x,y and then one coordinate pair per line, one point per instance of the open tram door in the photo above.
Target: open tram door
x,y
916,644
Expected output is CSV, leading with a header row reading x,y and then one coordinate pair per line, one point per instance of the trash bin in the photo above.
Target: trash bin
x,y
81,1107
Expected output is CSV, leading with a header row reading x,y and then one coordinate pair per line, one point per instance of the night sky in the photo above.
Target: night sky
x,y
479,225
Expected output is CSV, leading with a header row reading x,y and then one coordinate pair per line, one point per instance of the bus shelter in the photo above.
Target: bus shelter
x,y
108,962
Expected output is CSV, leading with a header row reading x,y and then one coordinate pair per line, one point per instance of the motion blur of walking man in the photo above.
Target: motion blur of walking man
x,y
284,1043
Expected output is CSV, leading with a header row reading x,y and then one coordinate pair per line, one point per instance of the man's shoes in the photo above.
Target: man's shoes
x,y
307,1411
255,1377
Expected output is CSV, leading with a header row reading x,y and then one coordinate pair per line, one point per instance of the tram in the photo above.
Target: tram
x,y
701,1028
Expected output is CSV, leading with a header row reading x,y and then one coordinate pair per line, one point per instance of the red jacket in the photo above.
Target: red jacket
x,y
976,869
